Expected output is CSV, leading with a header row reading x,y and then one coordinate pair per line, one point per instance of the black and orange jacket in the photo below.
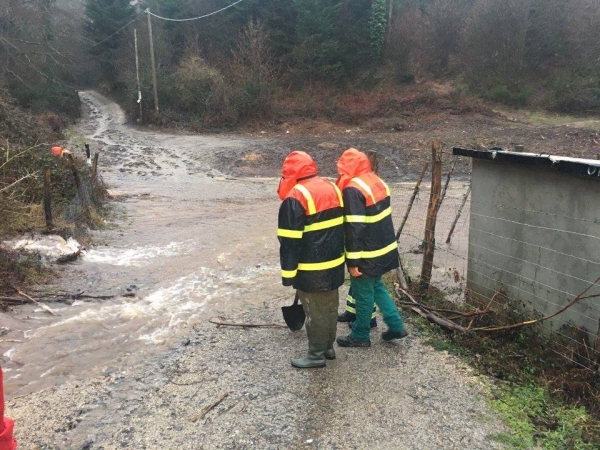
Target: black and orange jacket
x,y
369,232
310,231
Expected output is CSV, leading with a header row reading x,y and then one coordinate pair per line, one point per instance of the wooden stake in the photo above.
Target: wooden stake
x,y
412,200
82,197
47,198
432,210
95,166
458,214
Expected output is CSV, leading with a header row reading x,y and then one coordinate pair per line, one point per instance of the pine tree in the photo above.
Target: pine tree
x,y
106,17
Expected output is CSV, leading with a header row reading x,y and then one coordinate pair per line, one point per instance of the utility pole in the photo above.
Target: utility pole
x,y
137,73
154,82
389,21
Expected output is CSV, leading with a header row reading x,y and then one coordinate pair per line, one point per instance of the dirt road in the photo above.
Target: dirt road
x,y
193,242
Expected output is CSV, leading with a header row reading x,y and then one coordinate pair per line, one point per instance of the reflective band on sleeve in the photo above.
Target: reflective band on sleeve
x,y
288,273
372,254
366,187
309,200
323,265
350,300
294,234
339,194
325,224
387,189
350,309
369,219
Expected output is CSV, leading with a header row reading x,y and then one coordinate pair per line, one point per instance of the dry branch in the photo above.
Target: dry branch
x,y
247,325
44,307
448,180
23,178
575,300
445,323
412,199
208,408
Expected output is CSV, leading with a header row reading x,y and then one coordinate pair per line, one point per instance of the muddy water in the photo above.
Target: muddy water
x,y
190,242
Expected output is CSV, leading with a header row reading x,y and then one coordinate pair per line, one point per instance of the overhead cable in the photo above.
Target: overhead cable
x,y
116,32
193,18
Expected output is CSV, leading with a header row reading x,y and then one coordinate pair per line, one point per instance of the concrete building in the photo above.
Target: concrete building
x,y
535,233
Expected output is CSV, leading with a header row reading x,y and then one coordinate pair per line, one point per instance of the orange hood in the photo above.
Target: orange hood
x,y
296,166
352,163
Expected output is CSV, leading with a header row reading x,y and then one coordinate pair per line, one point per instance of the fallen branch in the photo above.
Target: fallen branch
x,y
448,324
208,408
459,314
247,325
576,300
44,307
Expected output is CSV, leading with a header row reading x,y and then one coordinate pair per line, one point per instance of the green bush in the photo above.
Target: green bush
x,y
199,88
573,94
515,96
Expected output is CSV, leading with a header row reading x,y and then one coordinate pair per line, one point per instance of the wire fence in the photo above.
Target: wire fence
x,y
521,263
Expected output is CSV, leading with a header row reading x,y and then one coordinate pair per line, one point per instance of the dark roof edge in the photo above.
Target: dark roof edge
x,y
581,167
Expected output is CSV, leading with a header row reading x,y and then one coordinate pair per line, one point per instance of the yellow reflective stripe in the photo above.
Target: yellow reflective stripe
x,y
294,234
350,299
325,224
372,254
339,194
322,265
369,219
288,273
351,310
387,189
309,200
366,187
374,315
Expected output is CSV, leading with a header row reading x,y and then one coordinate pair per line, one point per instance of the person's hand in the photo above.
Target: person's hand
x,y
354,272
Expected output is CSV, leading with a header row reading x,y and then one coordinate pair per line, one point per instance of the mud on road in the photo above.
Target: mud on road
x,y
194,239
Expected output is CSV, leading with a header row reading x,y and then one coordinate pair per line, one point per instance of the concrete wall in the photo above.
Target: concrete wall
x,y
536,233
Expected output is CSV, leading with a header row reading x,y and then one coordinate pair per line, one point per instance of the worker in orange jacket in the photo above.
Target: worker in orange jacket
x,y
371,247
312,259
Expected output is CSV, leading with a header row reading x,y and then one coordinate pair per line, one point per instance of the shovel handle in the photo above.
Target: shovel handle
x,y
296,299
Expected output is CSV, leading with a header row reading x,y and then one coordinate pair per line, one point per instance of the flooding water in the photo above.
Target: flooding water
x,y
189,242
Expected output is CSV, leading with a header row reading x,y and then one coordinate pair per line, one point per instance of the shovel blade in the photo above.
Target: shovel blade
x,y
294,316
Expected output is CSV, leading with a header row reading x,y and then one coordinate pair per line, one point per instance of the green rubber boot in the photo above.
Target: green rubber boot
x,y
315,357
329,353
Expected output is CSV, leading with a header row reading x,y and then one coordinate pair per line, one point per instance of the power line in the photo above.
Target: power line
x,y
116,32
194,18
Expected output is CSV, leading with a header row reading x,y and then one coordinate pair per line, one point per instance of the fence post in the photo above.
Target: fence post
x,y
412,200
82,196
432,210
95,166
458,215
47,198
373,159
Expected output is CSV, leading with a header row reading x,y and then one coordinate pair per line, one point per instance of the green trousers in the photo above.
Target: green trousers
x,y
368,291
321,309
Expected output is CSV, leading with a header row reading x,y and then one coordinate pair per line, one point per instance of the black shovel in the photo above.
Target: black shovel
x,y
294,315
